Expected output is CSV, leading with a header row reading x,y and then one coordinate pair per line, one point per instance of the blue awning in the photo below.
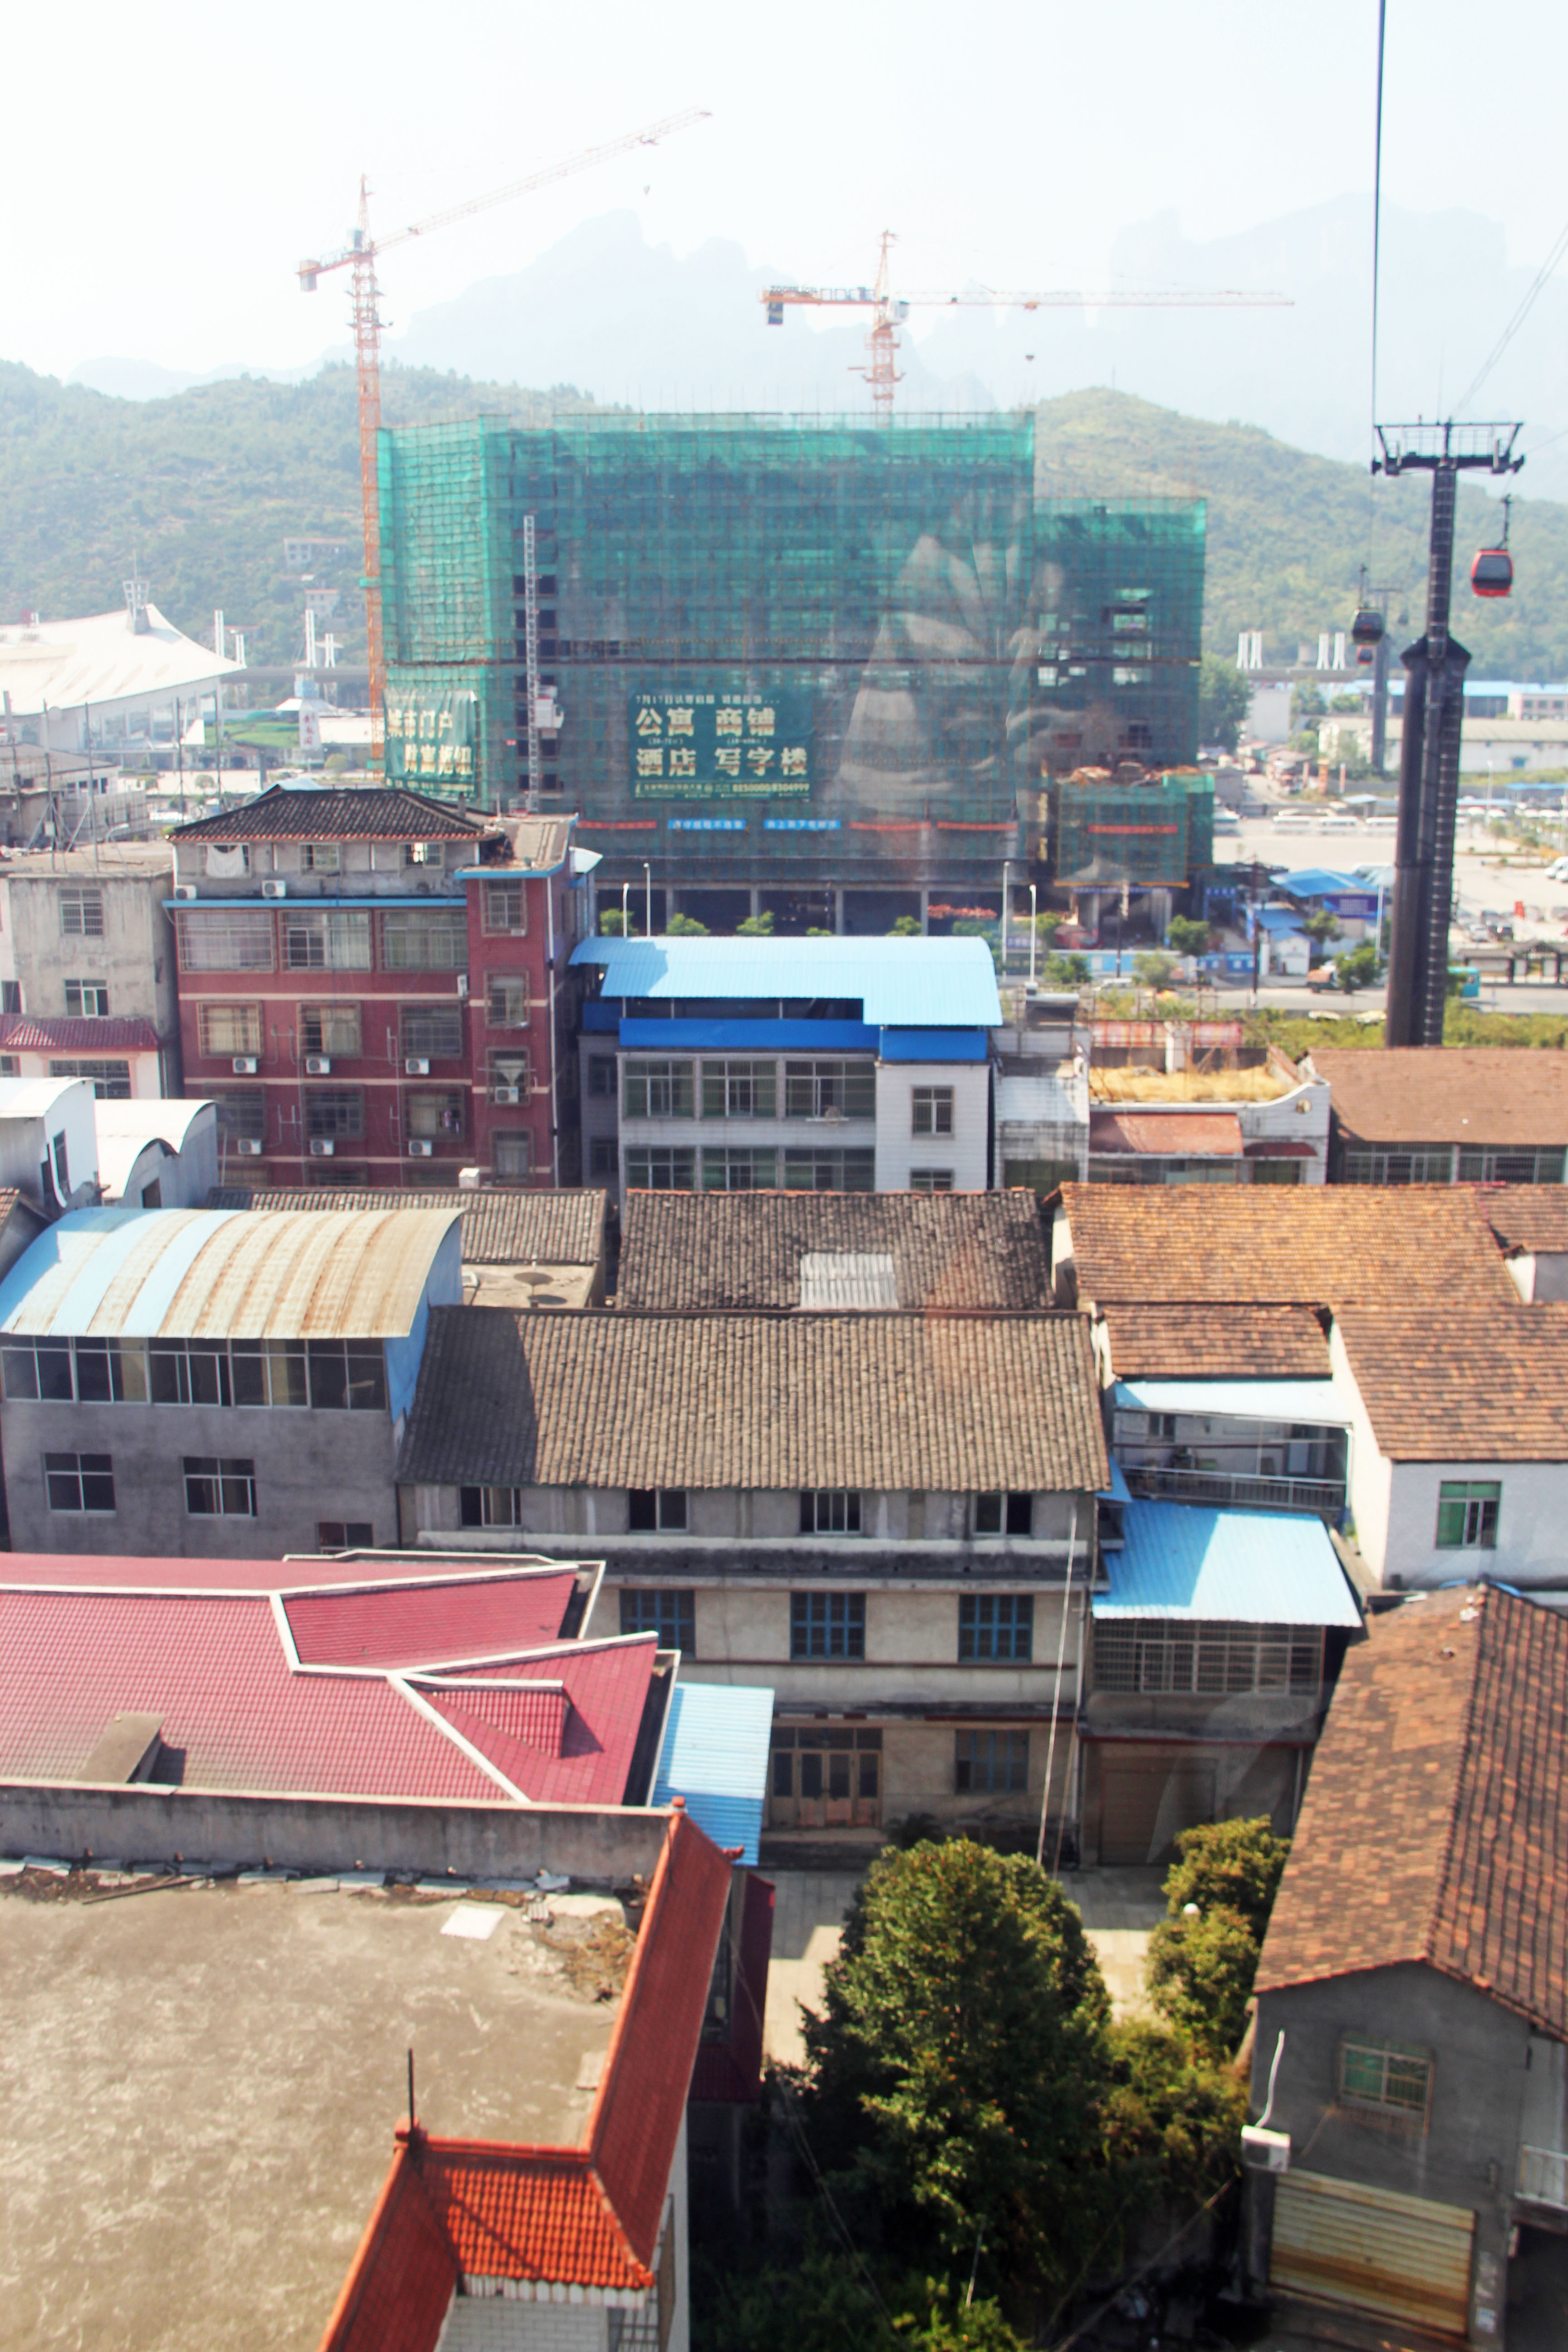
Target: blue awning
x,y
1238,1567
715,1755
934,1045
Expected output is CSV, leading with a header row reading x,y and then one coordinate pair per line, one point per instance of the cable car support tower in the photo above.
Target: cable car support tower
x,y
1435,669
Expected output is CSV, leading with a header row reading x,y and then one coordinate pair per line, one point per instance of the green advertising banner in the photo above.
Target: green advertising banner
x,y
431,737
716,746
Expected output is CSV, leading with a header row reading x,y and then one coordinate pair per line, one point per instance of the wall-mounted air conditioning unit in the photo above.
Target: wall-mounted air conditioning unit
x,y
274,890
318,1065
243,1066
506,1094
418,1150
248,1147
462,984
1263,2151
185,889
417,1067
322,1146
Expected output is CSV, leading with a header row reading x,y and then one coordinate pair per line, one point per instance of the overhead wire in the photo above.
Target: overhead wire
x,y
1517,320
1376,269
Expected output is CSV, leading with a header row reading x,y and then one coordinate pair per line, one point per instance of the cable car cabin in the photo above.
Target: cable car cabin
x,y
1366,629
1491,573
1366,656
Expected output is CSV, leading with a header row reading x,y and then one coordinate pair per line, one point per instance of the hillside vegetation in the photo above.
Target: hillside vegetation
x,y
200,490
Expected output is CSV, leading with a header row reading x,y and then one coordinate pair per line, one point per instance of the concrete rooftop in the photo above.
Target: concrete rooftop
x,y
199,2087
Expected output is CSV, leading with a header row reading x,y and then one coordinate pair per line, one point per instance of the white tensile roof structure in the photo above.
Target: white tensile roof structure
x,y
101,663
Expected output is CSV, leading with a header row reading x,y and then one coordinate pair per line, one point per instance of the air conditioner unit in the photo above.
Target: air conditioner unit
x,y
243,1066
185,889
318,1065
418,1150
248,1147
462,984
274,890
322,1146
417,1067
1263,2151
506,1094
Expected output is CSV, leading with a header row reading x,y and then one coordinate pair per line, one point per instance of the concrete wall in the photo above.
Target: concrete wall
x,y
135,957
1468,2154
769,1515
963,1152
478,1843
911,1644
1369,1477
309,1465
25,1143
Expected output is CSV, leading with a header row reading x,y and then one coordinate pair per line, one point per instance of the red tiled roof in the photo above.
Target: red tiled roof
x,y
407,1624
582,2217
213,1666
124,1571
603,1690
28,1032
1182,1132
1434,1827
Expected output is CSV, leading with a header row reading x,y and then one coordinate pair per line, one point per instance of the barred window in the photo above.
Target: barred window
x,y
229,1029
238,940
815,1090
671,1615
110,1080
988,1763
995,1627
217,1487
334,1112
740,1170
740,1089
661,1167
506,909
512,1151
1204,1659
829,1171
491,1506
1386,2078
331,1029
509,1067
425,938
80,1482
334,942
658,1090
506,999
82,914
242,1114
431,1032
827,1625
932,1111
439,1115
830,1511
86,1000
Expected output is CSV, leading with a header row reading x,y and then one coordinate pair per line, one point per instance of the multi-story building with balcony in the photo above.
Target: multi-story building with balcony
x,y
797,1066
371,984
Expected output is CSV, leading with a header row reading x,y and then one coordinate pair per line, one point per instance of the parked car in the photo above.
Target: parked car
x,y
1339,824
1292,821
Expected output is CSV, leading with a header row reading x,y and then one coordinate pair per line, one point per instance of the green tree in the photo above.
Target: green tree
x,y
1067,971
684,927
1321,926
612,923
1153,971
756,926
1306,705
1186,935
907,927
1173,2120
1358,969
961,2058
1203,1957
1225,697
1239,1863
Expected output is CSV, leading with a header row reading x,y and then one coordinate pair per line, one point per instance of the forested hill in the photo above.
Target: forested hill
x,y
202,489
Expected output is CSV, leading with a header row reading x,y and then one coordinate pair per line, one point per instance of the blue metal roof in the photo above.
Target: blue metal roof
x,y
715,1755
1315,1400
1238,1567
933,1045
738,1036
1318,882
939,983
1118,1491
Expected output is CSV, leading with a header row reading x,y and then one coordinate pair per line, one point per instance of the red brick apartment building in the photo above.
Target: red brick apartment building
x,y
372,987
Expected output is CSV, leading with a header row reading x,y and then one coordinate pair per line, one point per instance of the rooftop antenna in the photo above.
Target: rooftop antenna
x,y
411,2114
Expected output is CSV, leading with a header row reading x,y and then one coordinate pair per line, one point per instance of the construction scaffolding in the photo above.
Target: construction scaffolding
x,y
1154,832
823,647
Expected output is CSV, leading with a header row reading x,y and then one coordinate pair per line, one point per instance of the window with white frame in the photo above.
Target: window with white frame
x,y
931,1110
658,1089
505,909
425,938
507,999
931,1180
82,914
86,1000
339,941
661,1167
656,1509
240,939
322,858
80,1482
826,1089
1468,1514
738,1169
491,1506
740,1089
1386,2078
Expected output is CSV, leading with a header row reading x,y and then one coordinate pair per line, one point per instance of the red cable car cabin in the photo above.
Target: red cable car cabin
x,y
1491,573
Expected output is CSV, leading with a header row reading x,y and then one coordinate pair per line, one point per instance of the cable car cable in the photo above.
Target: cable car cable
x,y
1509,332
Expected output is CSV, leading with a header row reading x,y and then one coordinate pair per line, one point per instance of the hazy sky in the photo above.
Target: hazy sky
x,y
167,166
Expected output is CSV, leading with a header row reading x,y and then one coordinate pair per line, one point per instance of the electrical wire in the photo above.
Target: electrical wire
x,y
1376,265
1517,320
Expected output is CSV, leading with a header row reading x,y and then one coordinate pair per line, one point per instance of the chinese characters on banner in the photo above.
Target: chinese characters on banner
x,y
713,746
430,738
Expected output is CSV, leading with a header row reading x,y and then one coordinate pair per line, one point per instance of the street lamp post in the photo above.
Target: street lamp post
x,y
647,904
1034,934
625,910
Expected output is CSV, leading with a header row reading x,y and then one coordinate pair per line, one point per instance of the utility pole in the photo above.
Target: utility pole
x,y
1434,716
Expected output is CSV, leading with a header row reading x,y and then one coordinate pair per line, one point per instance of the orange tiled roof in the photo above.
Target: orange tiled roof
x,y
1528,1217
1493,1094
1473,1384
583,2216
1436,1823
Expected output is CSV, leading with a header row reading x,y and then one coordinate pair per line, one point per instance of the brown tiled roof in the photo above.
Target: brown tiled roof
x,y
33,1033
1334,1245
500,1228
1436,1822
1168,1133
708,1250
1528,1217
1217,1342
1447,1093
949,1402
1474,1384
368,812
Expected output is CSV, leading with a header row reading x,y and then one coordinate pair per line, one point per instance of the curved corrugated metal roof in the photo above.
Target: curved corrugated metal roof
x,y
204,1273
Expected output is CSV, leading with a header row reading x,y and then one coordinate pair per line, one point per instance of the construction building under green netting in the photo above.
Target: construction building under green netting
x,y
799,664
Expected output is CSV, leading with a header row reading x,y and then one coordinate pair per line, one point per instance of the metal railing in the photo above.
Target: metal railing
x,y
1325,1496
1543,2176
